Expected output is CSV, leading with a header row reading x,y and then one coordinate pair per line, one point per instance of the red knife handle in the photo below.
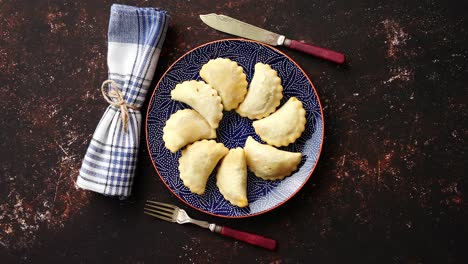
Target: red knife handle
x,y
316,51
253,239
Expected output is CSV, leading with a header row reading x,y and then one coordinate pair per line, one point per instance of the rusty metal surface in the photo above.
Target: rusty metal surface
x,y
390,185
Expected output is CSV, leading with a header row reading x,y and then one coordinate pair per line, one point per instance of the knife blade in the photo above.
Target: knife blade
x,y
239,28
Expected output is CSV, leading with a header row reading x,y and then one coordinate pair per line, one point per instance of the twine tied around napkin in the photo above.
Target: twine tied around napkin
x,y
119,102
135,39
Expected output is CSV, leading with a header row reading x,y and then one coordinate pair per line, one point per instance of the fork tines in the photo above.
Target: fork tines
x,y
162,211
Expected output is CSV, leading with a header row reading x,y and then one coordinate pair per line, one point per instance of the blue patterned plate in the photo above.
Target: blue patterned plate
x,y
234,130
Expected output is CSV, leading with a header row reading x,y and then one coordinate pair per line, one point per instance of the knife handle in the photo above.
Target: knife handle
x,y
323,53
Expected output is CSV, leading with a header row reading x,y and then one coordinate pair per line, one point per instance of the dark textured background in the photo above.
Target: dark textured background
x,y
390,185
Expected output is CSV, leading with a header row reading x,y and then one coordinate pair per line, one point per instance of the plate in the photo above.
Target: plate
x,y
233,130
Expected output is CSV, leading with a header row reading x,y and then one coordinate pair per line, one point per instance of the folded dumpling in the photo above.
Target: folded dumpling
x,y
184,127
198,161
264,94
284,126
228,78
231,178
270,163
201,97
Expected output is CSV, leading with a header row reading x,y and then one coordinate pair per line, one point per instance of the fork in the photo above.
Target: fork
x,y
173,213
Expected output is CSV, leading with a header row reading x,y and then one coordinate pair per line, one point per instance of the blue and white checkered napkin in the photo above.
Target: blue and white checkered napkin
x,y
135,37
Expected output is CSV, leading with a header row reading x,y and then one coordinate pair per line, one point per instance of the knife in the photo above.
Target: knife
x,y
236,27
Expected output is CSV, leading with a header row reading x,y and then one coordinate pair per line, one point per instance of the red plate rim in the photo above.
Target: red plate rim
x,y
316,95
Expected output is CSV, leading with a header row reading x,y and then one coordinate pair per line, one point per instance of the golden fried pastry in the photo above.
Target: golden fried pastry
x,y
270,163
184,127
231,178
201,97
284,126
264,94
198,161
228,78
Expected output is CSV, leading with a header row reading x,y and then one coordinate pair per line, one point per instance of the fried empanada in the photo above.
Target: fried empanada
x,y
198,161
228,78
270,163
284,126
184,127
231,178
264,94
201,97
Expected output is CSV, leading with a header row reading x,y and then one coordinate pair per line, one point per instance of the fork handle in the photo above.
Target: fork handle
x,y
253,239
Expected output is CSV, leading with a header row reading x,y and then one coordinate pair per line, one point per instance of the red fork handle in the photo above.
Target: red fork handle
x,y
253,239
323,53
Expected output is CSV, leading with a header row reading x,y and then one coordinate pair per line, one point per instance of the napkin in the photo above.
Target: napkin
x,y
135,38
